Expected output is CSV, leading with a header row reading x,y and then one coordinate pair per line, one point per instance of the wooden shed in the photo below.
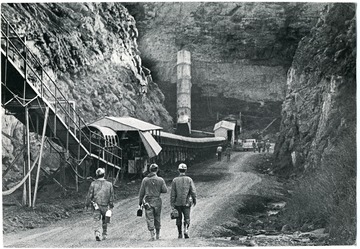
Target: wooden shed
x,y
225,129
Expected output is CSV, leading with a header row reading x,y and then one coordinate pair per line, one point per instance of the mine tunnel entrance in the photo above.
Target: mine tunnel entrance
x,y
183,129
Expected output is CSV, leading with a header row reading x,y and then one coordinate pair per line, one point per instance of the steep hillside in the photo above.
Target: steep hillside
x,y
240,53
91,51
317,141
320,104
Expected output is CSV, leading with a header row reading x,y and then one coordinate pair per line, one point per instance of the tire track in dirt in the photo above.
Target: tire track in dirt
x,y
218,199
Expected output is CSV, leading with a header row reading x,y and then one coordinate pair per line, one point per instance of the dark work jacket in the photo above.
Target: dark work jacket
x,y
102,192
152,186
182,188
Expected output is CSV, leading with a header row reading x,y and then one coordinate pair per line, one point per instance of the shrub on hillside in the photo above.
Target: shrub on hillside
x,y
326,197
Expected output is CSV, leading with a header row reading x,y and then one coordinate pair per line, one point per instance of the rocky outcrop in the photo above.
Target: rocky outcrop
x,y
319,112
240,51
91,51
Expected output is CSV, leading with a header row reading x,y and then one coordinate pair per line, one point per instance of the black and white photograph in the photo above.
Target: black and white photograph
x,y
178,124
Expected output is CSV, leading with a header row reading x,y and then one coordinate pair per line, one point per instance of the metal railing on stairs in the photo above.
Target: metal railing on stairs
x,y
15,49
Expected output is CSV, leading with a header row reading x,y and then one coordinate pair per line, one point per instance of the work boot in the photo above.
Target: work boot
x,y
157,233
186,232
97,235
152,235
186,235
104,234
179,231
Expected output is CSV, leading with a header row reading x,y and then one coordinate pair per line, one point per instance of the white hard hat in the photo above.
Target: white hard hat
x,y
153,166
182,166
100,171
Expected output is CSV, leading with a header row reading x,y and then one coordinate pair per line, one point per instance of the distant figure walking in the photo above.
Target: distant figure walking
x,y
259,146
228,153
149,196
182,197
264,146
267,145
254,146
219,152
101,196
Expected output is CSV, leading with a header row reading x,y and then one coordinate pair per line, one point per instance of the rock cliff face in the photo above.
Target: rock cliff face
x,y
320,107
240,53
91,50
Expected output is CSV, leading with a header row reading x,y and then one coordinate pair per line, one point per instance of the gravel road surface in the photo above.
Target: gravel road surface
x,y
220,186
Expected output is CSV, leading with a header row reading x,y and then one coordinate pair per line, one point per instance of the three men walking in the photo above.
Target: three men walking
x,y
182,197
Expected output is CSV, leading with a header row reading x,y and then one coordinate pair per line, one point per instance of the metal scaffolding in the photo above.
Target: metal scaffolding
x,y
44,110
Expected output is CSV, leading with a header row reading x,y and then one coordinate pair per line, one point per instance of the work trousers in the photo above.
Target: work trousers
x,y
183,211
99,215
153,214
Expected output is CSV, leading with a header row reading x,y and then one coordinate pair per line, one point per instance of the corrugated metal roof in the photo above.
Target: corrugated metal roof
x,y
224,124
126,124
104,130
191,139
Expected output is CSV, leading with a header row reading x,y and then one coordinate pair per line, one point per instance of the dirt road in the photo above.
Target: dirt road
x,y
219,186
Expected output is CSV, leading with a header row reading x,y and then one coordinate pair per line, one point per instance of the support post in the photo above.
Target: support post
x,y
37,126
122,166
40,156
25,62
28,163
55,114
76,172
24,200
78,153
25,73
7,55
62,169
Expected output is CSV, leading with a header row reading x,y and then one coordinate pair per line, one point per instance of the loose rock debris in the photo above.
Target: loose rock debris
x,y
316,237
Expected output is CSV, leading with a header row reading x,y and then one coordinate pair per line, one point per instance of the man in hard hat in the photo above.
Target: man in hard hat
x,y
182,197
149,196
101,196
219,152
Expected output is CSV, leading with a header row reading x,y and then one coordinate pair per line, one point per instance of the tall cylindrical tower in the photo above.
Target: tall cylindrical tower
x,y
183,92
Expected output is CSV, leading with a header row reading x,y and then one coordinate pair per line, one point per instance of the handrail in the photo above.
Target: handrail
x,y
65,109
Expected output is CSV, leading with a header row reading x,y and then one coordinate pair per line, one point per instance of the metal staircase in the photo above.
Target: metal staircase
x,y
29,93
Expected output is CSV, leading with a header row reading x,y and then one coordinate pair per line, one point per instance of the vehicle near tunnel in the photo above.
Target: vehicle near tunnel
x,y
247,144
